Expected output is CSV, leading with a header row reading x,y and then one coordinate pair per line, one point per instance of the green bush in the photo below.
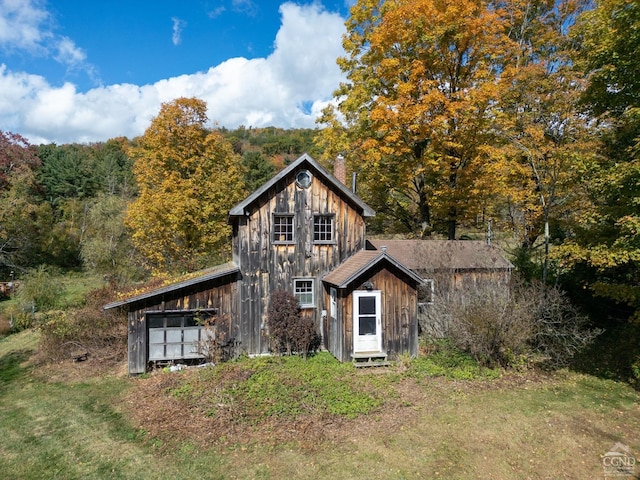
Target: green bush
x,y
39,290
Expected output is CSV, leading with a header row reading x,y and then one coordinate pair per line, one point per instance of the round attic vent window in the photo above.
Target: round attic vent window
x,y
303,178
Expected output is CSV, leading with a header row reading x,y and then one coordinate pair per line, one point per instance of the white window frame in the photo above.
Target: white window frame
x,y
304,294
428,285
333,294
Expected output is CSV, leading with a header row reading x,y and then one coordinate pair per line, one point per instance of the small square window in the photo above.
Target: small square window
x,y
283,228
303,291
323,229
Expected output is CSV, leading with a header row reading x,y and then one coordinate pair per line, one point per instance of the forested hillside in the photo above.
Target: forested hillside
x,y
523,113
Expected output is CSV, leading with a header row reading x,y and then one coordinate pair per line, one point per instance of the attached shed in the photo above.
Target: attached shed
x,y
450,270
459,264
372,301
165,324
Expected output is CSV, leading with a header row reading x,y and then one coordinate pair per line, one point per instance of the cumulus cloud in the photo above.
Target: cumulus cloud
x,y
286,89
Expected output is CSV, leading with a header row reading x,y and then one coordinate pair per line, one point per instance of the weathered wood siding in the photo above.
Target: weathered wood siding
x,y
456,286
267,267
220,294
399,316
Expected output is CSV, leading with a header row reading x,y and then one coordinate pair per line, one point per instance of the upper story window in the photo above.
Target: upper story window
x,y
282,228
303,291
323,229
303,178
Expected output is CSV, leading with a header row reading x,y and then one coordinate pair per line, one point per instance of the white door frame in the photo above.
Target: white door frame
x,y
369,342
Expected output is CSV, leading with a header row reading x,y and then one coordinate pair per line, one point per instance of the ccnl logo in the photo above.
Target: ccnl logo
x,y
618,462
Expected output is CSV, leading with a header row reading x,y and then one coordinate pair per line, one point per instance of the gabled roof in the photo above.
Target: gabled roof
x,y
304,161
361,262
444,255
202,276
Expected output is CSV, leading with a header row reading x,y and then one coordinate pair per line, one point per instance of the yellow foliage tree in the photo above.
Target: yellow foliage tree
x,y
544,140
188,179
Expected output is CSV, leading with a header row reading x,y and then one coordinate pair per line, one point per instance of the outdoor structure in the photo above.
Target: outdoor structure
x,y
448,269
302,231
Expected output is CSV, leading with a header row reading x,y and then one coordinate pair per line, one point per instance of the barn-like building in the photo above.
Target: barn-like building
x,y
302,231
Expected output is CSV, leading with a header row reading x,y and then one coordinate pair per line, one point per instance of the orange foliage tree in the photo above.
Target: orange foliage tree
x,y
417,107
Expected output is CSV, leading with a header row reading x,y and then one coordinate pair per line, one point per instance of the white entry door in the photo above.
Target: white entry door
x,y
367,321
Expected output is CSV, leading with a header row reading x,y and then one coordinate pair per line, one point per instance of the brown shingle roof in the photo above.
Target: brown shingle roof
x,y
440,255
359,263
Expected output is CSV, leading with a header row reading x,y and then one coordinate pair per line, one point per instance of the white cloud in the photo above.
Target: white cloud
x,y
178,26
248,7
68,53
23,25
287,89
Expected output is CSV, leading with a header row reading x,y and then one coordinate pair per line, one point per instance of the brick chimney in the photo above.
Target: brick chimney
x,y
340,169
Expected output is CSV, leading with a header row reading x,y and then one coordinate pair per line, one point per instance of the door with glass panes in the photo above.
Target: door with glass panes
x,y
367,321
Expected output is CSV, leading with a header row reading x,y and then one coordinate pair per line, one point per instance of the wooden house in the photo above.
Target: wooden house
x,y
304,231
450,270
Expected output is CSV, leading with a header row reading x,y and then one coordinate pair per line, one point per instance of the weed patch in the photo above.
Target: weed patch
x,y
253,390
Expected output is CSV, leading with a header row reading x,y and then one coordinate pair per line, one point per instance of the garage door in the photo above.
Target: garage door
x,y
173,336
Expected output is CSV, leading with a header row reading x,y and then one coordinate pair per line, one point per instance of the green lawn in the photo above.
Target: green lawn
x,y
284,418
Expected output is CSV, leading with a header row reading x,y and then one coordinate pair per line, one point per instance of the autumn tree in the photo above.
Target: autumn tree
x,y
188,179
16,153
23,218
415,111
603,252
542,139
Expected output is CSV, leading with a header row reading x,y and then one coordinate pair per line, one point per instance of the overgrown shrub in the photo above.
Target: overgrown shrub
x,y
559,329
289,330
217,344
508,326
103,334
39,290
492,326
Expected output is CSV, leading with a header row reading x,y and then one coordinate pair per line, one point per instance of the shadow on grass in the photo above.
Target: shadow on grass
x,y
612,355
11,368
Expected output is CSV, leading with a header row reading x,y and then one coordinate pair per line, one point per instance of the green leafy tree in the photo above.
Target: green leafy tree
x,y
107,247
113,167
258,169
67,171
26,222
188,179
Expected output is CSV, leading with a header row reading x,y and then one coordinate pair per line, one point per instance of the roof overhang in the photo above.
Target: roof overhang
x,y
360,263
204,276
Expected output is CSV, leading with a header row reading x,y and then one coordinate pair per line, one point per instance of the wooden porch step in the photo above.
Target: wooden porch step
x,y
370,359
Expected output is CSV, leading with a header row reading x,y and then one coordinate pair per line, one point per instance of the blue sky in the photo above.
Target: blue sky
x,y
83,71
